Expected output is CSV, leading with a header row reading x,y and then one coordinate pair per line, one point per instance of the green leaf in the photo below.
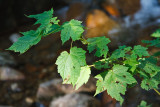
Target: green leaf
x,y
120,53
100,44
144,104
148,84
101,64
84,76
157,77
45,19
155,42
69,65
140,51
101,86
156,33
32,37
54,29
72,29
115,81
157,54
29,39
149,66
132,63
143,74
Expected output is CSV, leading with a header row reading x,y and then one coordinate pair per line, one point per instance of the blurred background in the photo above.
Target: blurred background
x,y
31,79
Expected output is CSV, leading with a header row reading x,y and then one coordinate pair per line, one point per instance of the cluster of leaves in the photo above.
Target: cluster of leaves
x,y
154,42
119,67
48,25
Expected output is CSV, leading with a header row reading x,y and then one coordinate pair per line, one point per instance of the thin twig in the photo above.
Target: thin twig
x,y
156,91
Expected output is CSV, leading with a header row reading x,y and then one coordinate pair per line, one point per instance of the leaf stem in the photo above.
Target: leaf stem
x,y
156,91
71,43
91,65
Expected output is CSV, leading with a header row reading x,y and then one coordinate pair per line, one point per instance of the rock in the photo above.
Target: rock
x,y
122,36
107,100
15,87
129,7
75,100
55,87
14,37
37,104
99,24
7,73
121,7
29,100
147,15
112,10
6,59
76,11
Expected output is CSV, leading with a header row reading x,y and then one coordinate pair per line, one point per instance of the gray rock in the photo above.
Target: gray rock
x,y
55,87
6,59
14,37
7,73
75,100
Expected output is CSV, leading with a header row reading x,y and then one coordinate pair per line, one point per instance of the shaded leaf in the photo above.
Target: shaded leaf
x,y
148,84
99,44
46,20
101,64
155,42
29,39
120,53
149,66
32,37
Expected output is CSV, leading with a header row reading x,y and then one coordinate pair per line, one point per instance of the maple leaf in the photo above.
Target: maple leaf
x,y
29,39
99,44
148,84
132,63
115,81
120,53
101,86
72,29
149,66
155,42
156,77
46,20
156,33
32,37
101,64
84,76
69,64
140,51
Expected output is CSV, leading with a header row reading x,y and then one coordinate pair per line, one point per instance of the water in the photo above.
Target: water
x,y
149,12
148,15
